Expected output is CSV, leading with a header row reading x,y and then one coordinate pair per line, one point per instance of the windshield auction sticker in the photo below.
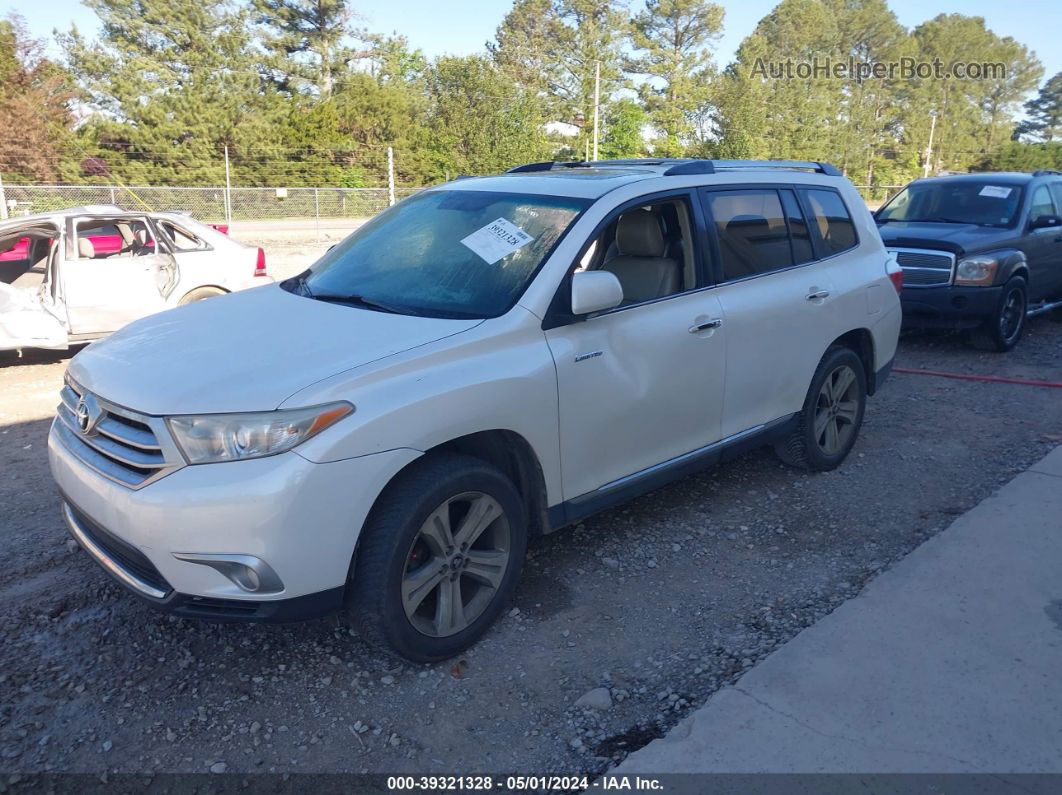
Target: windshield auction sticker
x,y
496,240
995,191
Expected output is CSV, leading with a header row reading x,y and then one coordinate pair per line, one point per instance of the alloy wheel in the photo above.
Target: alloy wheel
x,y
836,410
1012,314
456,564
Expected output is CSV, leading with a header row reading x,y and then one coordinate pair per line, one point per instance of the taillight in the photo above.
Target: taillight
x,y
259,266
897,280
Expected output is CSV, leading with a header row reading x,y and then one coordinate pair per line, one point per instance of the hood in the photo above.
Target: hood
x,y
956,238
248,351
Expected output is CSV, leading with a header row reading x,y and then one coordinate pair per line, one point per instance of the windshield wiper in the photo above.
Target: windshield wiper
x,y
362,301
940,219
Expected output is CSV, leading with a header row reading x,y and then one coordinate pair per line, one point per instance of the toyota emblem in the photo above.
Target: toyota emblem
x,y
87,412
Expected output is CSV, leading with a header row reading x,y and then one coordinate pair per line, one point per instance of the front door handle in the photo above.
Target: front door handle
x,y
818,295
697,327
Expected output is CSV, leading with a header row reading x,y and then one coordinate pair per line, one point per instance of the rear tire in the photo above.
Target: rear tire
x,y
1005,327
201,294
426,583
832,414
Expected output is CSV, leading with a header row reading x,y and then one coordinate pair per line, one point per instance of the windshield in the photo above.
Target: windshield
x,y
443,254
964,201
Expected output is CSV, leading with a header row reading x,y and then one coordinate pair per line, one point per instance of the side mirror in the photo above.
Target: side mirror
x,y
1045,222
594,291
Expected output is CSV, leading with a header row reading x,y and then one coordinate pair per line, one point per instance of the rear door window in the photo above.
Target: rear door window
x,y
831,223
752,232
181,239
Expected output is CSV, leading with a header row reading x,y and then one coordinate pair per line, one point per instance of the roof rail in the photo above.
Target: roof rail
x,y
680,166
713,166
1046,172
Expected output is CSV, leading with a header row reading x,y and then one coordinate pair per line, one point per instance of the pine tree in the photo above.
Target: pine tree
x,y
173,82
553,47
308,41
671,39
480,122
1045,113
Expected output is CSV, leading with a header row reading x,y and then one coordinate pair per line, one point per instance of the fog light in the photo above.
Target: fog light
x,y
247,572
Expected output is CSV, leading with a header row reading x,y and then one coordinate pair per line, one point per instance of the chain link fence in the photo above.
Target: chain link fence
x,y
247,204
208,204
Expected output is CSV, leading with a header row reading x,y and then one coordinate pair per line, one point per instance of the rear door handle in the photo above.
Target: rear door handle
x,y
716,323
818,295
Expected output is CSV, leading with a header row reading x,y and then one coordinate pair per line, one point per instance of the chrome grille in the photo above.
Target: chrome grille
x,y
923,268
128,447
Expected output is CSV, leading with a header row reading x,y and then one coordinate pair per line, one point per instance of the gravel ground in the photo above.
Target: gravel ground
x,y
638,614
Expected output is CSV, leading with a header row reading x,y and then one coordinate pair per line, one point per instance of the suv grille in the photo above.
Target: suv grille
x,y
924,268
120,444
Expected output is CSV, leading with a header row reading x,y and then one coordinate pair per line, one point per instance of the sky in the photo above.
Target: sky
x,y
464,26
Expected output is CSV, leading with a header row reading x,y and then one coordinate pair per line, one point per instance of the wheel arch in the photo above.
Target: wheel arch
x,y
222,288
861,342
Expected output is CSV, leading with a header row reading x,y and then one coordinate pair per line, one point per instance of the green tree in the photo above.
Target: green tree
x,y
173,82
308,41
764,113
34,100
671,39
554,49
480,123
624,123
973,116
1045,113
1019,156
871,117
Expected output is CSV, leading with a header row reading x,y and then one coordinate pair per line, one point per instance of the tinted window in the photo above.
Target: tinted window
x,y
752,233
443,253
798,228
1041,203
830,217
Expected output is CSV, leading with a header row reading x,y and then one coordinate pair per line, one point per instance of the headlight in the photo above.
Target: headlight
x,y
211,438
976,270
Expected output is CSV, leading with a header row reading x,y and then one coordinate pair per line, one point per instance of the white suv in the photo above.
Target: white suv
x,y
489,359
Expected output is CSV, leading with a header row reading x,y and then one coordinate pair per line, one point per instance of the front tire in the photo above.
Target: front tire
x,y
1007,324
439,558
832,414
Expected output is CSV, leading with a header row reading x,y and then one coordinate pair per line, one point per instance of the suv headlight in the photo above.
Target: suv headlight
x,y
210,438
979,270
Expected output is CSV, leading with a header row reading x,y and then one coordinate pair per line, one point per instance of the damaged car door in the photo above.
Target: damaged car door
x,y
114,271
27,316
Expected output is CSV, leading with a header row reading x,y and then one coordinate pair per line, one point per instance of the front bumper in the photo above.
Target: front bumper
x,y
301,518
948,307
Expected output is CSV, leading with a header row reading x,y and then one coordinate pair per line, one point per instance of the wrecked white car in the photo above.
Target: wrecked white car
x,y
77,275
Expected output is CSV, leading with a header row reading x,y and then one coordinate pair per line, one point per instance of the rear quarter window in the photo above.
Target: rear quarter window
x,y
830,221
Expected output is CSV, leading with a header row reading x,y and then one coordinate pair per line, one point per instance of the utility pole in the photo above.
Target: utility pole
x,y
390,176
597,101
228,189
929,146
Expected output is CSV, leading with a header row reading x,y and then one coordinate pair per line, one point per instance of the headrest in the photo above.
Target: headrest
x,y
638,234
85,249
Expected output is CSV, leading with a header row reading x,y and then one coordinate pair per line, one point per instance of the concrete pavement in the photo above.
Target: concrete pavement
x,y
950,662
